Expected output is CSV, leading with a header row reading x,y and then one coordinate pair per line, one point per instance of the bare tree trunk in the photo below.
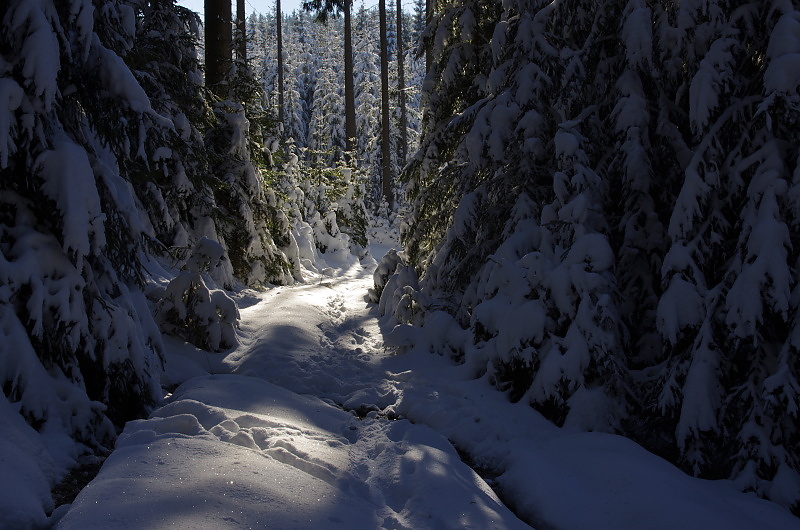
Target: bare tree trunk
x,y
349,85
401,85
279,30
218,40
386,161
241,28
325,8
428,19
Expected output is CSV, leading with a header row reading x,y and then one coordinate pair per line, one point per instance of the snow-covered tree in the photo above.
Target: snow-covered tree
x,y
187,308
79,347
326,139
112,159
728,311
171,183
616,224
324,10
314,51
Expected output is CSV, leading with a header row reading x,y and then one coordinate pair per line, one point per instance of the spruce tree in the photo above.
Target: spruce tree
x,y
79,348
616,225
731,380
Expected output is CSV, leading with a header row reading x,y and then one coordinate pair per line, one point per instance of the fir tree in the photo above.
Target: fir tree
x,y
644,280
79,346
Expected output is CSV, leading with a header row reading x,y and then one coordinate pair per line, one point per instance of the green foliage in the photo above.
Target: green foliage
x,y
339,190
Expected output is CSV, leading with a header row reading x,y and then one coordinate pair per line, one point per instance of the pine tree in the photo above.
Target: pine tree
x,y
79,348
325,9
297,63
103,166
645,280
279,53
367,66
327,132
732,375
419,18
171,185
401,87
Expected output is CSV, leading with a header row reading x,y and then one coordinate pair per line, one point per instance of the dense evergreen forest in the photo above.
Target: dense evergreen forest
x,y
314,85
607,196
599,200
132,197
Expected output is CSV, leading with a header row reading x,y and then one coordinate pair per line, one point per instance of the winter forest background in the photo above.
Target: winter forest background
x,y
600,211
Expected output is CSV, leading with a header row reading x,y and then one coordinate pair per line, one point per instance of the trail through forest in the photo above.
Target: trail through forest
x,y
311,422
600,208
263,441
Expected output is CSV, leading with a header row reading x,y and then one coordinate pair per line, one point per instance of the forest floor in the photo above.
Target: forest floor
x,y
311,422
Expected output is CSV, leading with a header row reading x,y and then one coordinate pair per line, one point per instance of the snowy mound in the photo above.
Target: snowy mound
x,y
234,451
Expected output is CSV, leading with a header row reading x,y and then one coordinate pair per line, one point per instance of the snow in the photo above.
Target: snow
x,y
10,98
25,470
707,84
504,115
230,450
70,182
631,110
309,422
619,485
40,50
30,461
121,82
783,72
205,317
566,143
637,34
701,393
680,307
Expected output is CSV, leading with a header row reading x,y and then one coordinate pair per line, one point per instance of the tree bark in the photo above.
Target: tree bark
x,y
401,86
428,50
349,86
241,28
324,9
386,161
218,40
279,31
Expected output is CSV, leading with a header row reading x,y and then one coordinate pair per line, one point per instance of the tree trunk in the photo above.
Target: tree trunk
x,y
218,40
401,86
349,86
241,28
386,160
279,31
428,50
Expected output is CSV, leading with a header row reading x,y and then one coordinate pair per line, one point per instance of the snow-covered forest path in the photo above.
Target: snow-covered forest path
x,y
311,423
320,338
262,441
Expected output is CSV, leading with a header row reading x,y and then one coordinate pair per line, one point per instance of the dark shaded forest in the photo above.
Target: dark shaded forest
x,y
605,197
